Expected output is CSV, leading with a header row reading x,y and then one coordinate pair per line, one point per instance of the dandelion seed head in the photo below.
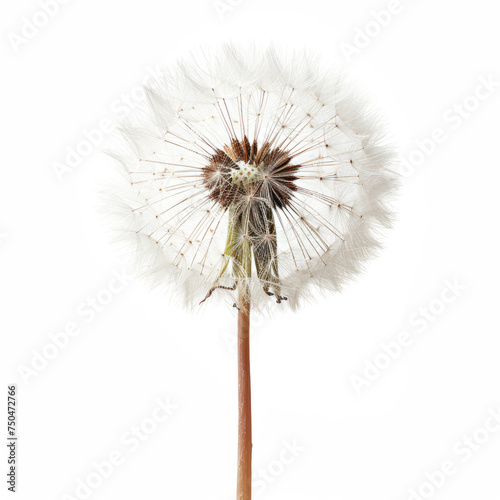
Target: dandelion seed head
x,y
253,168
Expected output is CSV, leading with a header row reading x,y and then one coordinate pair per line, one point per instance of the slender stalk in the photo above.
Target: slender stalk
x,y
244,487
240,250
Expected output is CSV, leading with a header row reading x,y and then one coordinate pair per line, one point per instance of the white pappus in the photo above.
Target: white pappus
x,y
253,169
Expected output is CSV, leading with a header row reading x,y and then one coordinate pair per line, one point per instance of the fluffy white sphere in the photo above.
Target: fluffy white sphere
x,y
253,168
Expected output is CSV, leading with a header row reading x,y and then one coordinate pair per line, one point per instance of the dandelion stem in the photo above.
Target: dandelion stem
x,y
244,487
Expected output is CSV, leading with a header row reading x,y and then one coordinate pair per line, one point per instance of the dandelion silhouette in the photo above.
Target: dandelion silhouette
x,y
253,178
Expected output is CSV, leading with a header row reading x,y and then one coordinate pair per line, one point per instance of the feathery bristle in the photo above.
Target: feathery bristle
x,y
259,170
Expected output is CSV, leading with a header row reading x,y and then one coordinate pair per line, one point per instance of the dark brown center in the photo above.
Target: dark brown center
x,y
243,169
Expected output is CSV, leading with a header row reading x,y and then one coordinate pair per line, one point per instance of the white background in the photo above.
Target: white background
x,y
378,443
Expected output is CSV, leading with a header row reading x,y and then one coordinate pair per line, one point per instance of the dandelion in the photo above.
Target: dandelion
x,y
255,178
